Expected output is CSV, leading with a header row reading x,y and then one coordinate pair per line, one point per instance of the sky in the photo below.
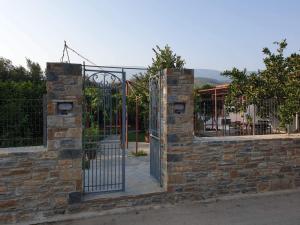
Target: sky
x,y
211,34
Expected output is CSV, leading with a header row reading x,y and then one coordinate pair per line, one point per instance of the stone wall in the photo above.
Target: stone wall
x,y
225,165
209,167
31,185
38,182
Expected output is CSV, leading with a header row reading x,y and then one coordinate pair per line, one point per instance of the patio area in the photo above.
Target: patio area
x,y
137,174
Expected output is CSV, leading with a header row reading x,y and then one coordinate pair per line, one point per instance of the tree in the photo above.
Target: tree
x,y
279,81
21,111
19,82
164,58
139,93
34,72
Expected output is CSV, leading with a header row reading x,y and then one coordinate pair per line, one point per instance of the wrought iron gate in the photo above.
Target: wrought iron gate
x,y
155,126
104,117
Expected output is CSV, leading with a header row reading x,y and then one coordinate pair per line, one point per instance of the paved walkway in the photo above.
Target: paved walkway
x,y
137,176
142,146
278,209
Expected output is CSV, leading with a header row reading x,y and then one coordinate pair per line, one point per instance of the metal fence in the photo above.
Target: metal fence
x,y
22,122
214,118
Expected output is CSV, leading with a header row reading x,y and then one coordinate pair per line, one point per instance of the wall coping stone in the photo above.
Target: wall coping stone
x,y
171,71
59,68
236,139
27,149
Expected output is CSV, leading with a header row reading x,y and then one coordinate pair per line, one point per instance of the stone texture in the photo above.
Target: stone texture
x,y
245,166
215,167
39,183
177,87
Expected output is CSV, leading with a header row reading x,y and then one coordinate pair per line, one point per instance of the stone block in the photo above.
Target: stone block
x,y
51,76
65,163
51,95
66,174
8,204
263,186
172,80
54,121
61,201
75,197
171,119
69,121
229,157
176,179
63,69
172,138
70,154
234,174
281,184
8,217
78,184
174,157
51,108
3,190
286,169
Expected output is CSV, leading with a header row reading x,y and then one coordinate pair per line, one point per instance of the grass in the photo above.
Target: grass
x,y
139,153
131,136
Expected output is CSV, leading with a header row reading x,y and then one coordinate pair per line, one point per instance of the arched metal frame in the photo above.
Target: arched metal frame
x,y
155,126
104,124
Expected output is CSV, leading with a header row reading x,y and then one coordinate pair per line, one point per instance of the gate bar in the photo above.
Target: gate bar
x,y
123,126
121,67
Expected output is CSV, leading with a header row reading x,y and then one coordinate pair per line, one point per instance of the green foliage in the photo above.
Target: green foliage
x,y
164,58
206,86
94,101
139,94
21,89
291,104
9,72
242,87
139,153
279,81
21,112
132,136
19,82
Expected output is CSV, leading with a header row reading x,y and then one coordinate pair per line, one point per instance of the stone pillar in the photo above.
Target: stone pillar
x,y
64,124
178,127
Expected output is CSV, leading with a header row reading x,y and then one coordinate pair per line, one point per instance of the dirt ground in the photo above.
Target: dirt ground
x,y
281,208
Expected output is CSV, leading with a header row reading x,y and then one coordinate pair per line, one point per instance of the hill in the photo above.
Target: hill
x,y
208,76
200,81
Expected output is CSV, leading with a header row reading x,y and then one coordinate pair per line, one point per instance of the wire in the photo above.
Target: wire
x,y
65,50
81,56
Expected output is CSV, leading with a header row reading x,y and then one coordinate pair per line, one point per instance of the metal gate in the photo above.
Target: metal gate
x,y
104,117
155,126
